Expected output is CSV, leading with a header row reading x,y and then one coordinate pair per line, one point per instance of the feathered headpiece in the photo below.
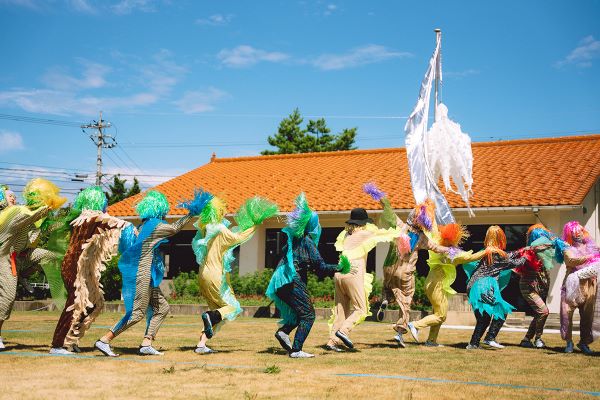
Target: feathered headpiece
x,y
213,212
423,215
538,231
531,236
303,220
3,197
41,192
91,198
153,205
451,235
198,203
573,228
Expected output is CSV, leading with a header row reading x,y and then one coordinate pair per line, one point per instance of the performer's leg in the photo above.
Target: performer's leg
x,y
439,302
495,327
138,311
483,320
306,315
404,292
586,317
286,294
342,309
540,309
8,290
160,310
68,273
357,303
566,317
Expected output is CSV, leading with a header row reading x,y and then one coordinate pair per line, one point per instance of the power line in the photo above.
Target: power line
x,y
34,120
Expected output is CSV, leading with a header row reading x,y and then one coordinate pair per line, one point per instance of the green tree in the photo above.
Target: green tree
x,y
118,190
316,137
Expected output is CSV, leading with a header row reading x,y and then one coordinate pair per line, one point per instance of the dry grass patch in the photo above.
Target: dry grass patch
x,y
250,365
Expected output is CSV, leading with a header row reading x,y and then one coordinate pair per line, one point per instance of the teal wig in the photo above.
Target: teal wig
x,y
153,205
92,198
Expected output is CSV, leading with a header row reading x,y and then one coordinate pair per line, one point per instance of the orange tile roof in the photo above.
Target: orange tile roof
x,y
531,172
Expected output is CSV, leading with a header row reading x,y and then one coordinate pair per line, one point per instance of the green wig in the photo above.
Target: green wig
x,y
153,205
92,198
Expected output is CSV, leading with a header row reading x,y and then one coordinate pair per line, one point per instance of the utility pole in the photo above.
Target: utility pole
x,y
101,140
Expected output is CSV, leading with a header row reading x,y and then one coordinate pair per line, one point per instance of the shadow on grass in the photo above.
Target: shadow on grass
x,y
31,347
273,350
192,348
344,350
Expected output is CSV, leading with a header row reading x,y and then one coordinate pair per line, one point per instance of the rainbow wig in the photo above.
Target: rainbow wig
x,y
531,236
3,197
451,235
153,205
303,220
573,228
494,242
91,198
423,215
41,192
213,212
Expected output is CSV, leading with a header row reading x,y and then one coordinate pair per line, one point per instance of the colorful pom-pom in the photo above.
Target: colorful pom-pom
x,y
372,190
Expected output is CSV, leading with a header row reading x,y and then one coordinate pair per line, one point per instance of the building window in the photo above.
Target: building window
x,y
276,240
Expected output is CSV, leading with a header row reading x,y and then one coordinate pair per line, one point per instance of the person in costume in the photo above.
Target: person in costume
x,y
399,266
19,233
579,289
142,268
287,287
7,197
352,290
213,245
442,273
486,280
534,280
93,238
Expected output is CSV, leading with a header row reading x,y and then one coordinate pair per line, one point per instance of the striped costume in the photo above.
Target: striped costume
x,y
16,226
142,269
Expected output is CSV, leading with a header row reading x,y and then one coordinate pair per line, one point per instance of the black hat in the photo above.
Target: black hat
x,y
359,216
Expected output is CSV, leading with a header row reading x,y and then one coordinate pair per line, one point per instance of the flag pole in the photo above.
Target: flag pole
x,y
438,37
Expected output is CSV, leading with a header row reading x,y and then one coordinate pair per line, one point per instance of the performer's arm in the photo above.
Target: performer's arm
x,y
232,238
316,261
22,219
572,260
165,230
465,257
431,245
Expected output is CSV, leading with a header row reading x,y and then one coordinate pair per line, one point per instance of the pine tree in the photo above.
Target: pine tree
x,y
316,137
118,190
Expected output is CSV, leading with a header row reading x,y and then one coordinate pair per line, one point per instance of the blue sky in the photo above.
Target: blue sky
x,y
218,76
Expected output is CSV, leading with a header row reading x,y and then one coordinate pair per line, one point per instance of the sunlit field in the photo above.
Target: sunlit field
x,y
250,365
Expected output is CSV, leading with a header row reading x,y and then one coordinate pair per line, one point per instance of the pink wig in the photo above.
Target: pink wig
x,y
571,228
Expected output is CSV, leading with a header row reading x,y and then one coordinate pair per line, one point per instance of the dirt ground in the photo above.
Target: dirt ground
x,y
250,365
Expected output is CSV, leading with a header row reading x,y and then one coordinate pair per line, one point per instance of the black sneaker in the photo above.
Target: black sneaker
x,y
345,339
208,329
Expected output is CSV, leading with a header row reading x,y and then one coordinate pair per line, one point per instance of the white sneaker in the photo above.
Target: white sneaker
x,y
493,343
2,344
301,354
398,338
413,331
204,350
333,348
149,351
61,351
539,343
472,347
105,349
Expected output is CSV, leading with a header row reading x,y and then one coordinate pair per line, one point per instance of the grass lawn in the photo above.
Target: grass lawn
x,y
250,365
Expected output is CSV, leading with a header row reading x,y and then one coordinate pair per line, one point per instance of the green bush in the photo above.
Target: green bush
x,y
111,280
186,285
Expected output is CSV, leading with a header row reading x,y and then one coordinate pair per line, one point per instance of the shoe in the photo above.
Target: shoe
x,y
345,339
493,343
400,340
429,343
527,344
381,312
539,343
284,340
75,349
301,354
61,351
585,349
333,348
2,347
569,347
105,348
149,351
204,350
208,329
472,347
413,331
